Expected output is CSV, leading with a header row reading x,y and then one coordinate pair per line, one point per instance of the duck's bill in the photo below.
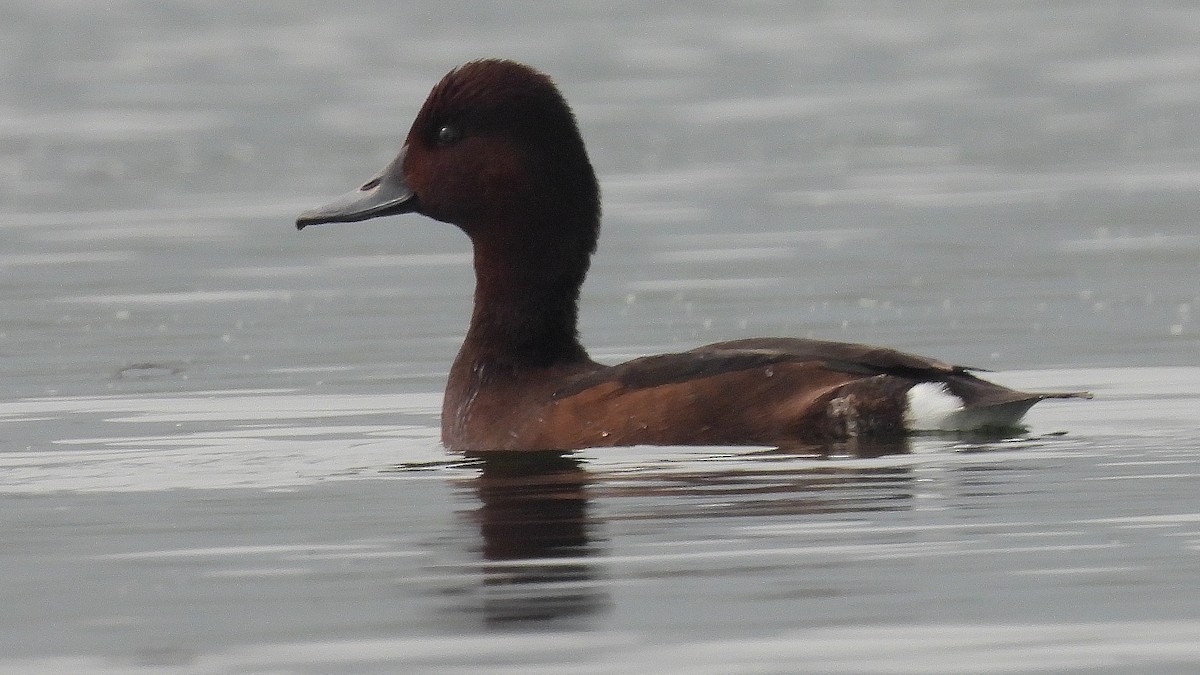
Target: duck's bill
x,y
385,194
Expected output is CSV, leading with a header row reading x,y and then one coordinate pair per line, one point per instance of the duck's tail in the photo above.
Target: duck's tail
x,y
934,406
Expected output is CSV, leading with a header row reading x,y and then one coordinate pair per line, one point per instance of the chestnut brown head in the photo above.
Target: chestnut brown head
x,y
494,150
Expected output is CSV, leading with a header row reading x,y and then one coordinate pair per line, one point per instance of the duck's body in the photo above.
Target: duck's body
x,y
495,151
764,391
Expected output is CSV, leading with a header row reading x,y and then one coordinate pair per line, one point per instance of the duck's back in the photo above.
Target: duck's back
x,y
938,396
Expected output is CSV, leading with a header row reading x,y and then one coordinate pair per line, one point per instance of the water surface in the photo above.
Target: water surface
x,y
218,437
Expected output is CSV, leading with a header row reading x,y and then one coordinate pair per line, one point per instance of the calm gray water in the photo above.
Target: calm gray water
x,y
218,437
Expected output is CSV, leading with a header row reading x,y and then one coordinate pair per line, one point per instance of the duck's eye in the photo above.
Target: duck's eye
x,y
448,134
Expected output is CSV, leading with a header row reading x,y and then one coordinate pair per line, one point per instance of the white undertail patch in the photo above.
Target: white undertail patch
x,y
931,407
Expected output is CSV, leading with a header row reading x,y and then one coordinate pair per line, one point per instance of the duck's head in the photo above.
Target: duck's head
x,y
494,150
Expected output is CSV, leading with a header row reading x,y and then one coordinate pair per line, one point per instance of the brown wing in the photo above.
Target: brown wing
x,y
762,390
663,369
870,360
847,356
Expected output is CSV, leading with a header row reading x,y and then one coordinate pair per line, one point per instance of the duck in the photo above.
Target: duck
x,y
495,150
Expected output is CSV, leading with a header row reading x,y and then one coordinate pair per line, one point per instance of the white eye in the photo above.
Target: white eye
x,y
448,134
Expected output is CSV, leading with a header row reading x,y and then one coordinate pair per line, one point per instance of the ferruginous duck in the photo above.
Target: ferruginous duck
x,y
495,150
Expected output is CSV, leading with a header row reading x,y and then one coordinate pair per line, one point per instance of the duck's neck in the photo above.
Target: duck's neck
x,y
526,306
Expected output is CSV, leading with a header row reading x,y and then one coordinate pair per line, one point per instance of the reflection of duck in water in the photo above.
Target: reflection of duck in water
x,y
495,150
533,514
539,541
